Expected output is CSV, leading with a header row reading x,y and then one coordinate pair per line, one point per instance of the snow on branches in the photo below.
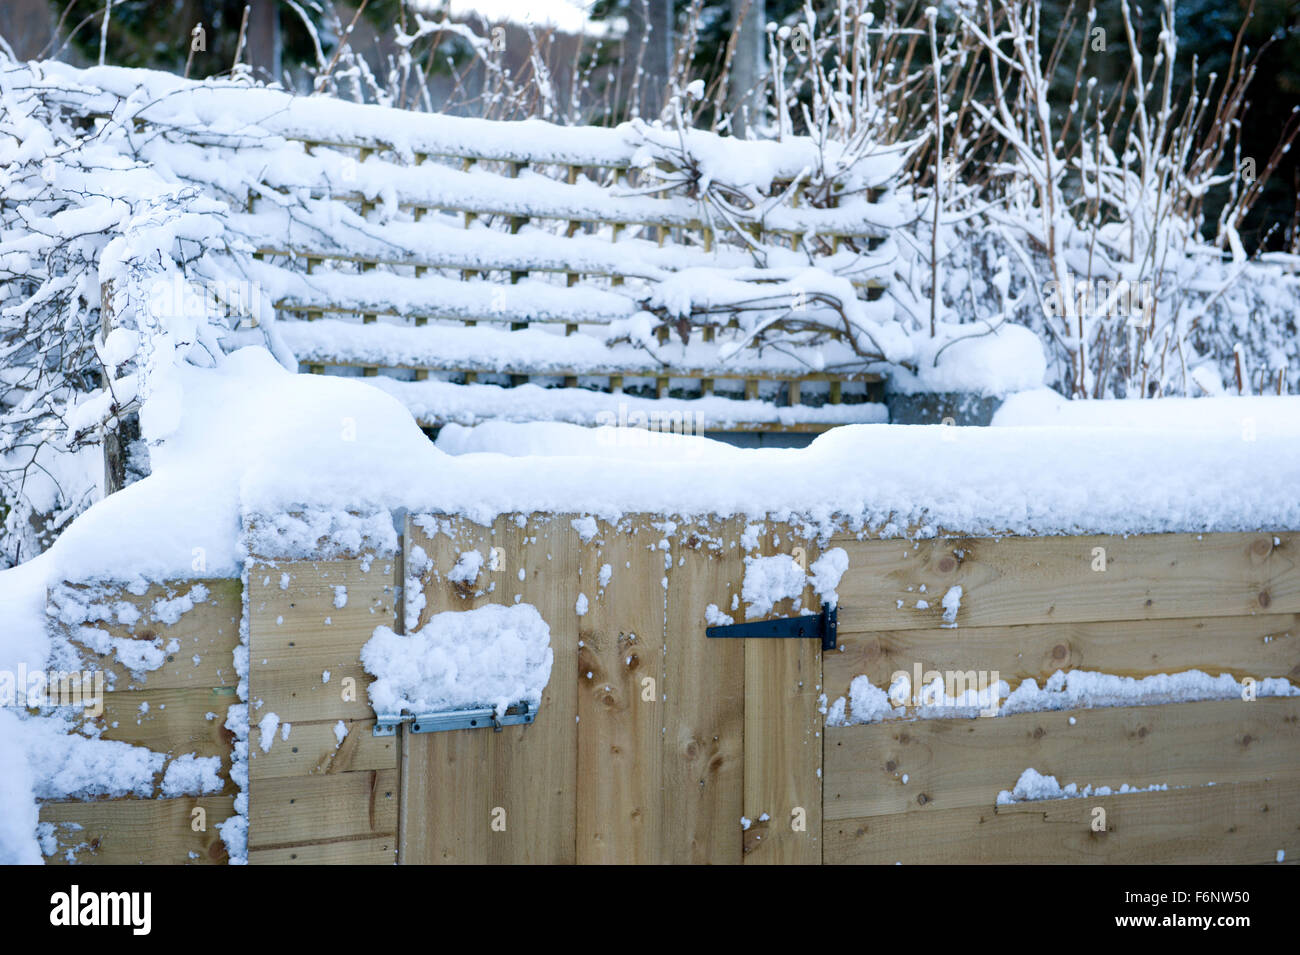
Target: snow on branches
x,y
95,243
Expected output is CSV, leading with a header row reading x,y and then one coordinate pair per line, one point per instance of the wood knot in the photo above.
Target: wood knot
x,y
1264,598
947,565
1262,546
890,766
1059,651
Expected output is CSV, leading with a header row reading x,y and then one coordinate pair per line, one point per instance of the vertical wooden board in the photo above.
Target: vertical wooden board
x,y
309,617
447,786
783,731
620,734
434,546
447,798
139,831
535,767
704,712
1026,580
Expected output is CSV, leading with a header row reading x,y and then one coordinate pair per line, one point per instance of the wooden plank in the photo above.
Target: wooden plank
x,y
138,831
314,749
535,767
298,631
957,763
1020,580
381,850
175,722
447,791
1230,824
783,739
1260,646
620,732
208,632
288,810
704,712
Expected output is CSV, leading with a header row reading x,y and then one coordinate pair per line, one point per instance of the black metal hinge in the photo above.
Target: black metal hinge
x,y
822,625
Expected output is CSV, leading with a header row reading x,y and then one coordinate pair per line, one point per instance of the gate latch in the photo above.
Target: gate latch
x,y
822,626
477,718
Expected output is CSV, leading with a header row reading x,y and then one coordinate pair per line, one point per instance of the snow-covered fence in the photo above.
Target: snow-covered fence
x,y
435,250
166,656
1152,674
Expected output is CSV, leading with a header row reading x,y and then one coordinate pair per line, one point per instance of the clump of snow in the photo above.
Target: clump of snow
x,y
490,656
67,765
586,527
191,775
340,733
1033,786
716,618
340,596
581,606
169,612
267,727
234,833
971,359
826,572
768,581
951,604
1063,690
1075,689
467,567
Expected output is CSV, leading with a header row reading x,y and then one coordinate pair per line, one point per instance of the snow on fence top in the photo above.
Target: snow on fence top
x,y
227,109
314,465
656,261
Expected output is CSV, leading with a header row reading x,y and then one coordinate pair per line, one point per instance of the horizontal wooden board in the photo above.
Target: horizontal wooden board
x,y
207,636
1025,580
287,810
138,831
313,749
379,850
1238,823
1260,646
171,721
959,763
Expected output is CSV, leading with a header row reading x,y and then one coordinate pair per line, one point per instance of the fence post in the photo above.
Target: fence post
x,y
114,438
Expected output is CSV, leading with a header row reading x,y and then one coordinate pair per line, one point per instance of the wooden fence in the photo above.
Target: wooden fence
x,y
655,744
501,258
